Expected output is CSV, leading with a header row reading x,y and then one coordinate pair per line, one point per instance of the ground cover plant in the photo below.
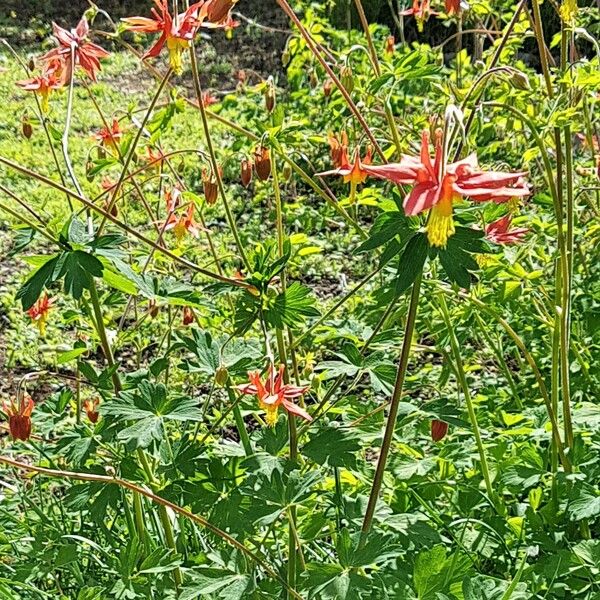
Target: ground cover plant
x,y
326,332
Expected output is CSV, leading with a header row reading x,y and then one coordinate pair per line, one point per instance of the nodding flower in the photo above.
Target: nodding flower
x,y
74,49
438,185
338,148
183,224
188,315
439,429
49,79
500,232
273,393
453,7
176,32
421,11
110,136
19,417
38,313
354,173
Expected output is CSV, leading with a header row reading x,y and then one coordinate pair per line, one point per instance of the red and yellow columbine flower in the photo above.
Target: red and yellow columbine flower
x,y
172,199
499,232
453,7
354,173
338,148
175,31
91,409
273,393
183,224
111,136
49,79
421,11
75,49
229,24
208,98
38,313
437,186
19,417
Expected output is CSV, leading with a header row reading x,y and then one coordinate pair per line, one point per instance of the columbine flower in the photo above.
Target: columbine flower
x,y
91,409
19,417
499,232
155,158
453,7
74,49
338,148
38,313
49,79
172,199
273,393
183,224
421,11
437,186
109,137
176,32
354,173
229,24
208,98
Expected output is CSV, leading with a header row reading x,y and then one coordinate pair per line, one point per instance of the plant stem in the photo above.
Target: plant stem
x,y
409,330
239,421
213,160
460,371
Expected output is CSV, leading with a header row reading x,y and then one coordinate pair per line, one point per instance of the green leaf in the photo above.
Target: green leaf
x,y
291,307
333,446
78,268
585,503
411,262
30,291
69,355
428,564
387,225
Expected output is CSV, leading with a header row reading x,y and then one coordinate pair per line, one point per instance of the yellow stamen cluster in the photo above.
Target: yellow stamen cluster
x,y
440,226
568,10
176,47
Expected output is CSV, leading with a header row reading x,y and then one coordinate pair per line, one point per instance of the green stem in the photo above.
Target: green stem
x,y
462,378
213,160
394,405
239,422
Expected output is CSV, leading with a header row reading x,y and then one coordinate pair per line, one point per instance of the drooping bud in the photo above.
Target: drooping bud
x,y
347,78
210,186
390,46
153,309
188,315
286,173
218,10
26,127
327,87
19,417
262,163
31,64
270,96
91,409
247,166
222,375
313,79
439,429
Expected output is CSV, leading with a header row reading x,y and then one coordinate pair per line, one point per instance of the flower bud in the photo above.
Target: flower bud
x,y
31,64
313,79
390,46
270,97
210,186
91,410
222,375
218,10
262,163
347,78
153,309
327,87
439,429
188,315
26,127
247,166
286,173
